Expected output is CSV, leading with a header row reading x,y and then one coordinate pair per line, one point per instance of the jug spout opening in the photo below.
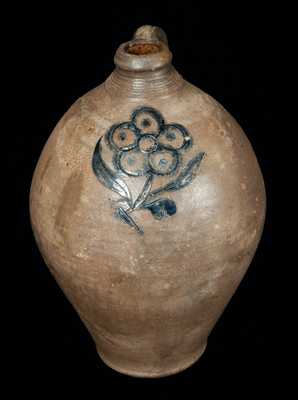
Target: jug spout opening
x,y
147,51
142,48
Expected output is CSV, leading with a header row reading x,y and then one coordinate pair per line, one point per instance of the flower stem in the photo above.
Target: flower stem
x,y
142,197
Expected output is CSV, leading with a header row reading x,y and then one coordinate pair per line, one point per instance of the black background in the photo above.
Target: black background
x,y
62,55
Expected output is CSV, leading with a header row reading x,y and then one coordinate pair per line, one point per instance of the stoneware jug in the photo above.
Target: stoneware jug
x,y
147,204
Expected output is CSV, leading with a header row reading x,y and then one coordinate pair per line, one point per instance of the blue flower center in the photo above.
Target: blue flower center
x,y
163,162
122,135
145,123
131,160
171,136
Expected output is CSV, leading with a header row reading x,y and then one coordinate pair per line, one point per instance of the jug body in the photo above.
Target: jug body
x,y
148,204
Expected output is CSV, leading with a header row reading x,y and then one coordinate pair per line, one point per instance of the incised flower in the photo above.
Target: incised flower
x,y
146,145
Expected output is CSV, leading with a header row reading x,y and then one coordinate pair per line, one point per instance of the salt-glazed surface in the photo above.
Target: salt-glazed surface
x,y
147,205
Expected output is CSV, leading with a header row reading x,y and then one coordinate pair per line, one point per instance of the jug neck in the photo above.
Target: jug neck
x,y
143,66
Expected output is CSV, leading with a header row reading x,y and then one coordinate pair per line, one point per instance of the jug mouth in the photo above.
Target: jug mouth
x,y
142,55
141,48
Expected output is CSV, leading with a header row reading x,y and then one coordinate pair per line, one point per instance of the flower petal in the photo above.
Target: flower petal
x,y
147,120
132,162
174,136
122,136
163,162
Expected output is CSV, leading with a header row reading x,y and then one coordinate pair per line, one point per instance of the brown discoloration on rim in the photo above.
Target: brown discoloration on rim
x,y
142,48
148,301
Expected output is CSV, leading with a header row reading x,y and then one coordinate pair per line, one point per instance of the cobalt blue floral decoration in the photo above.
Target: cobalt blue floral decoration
x,y
146,146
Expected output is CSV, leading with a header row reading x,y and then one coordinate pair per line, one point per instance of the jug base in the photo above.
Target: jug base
x,y
155,373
